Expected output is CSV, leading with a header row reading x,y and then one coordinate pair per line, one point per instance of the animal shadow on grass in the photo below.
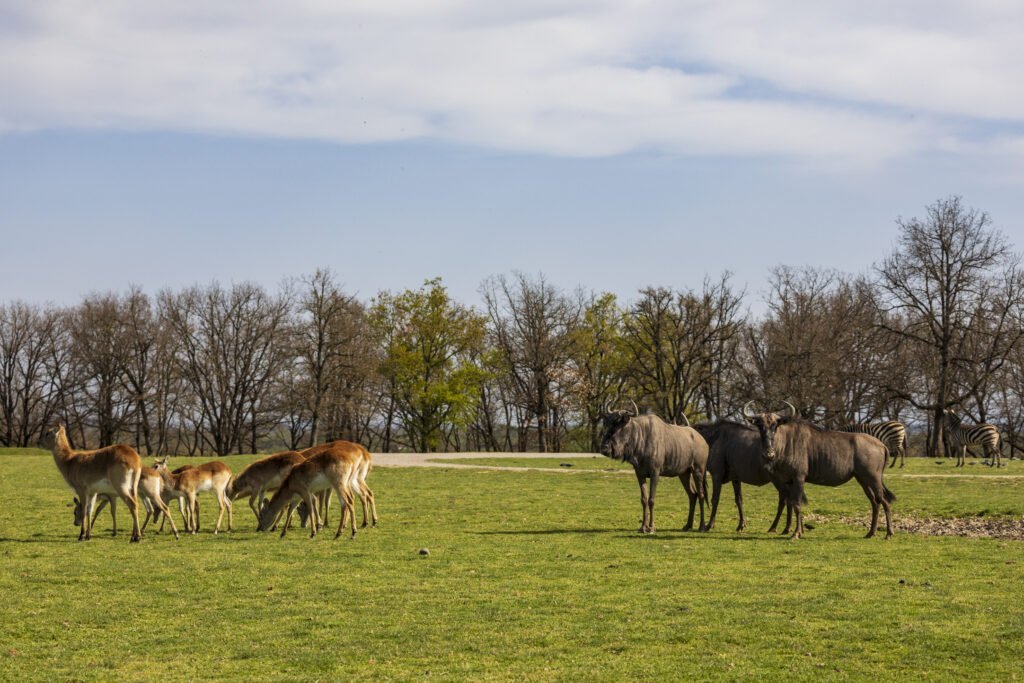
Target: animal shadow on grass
x,y
41,539
545,532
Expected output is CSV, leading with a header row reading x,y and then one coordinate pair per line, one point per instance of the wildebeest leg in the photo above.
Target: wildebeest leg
x,y
737,490
795,499
778,511
688,484
643,500
702,495
873,499
650,503
716,491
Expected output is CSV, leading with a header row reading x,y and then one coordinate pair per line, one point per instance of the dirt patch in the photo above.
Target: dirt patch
x,y
968,527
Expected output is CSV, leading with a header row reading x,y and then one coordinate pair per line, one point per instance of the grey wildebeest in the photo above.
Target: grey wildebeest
x,y
734,455
798,452
656,448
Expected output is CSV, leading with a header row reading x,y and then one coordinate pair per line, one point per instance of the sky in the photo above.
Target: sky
x,y
606,145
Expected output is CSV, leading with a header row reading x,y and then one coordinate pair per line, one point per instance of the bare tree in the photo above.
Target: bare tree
x,y
29,392
100,348
944,282
229,349
679,343
531,325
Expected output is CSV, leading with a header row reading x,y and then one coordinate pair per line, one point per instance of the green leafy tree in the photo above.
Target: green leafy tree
x,y
429,342
599,355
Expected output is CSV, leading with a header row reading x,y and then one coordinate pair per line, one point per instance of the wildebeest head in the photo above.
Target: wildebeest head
x,y
613,442
767,423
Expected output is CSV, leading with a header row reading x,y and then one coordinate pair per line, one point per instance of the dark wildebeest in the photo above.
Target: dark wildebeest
x,y
735,455
655,448
799,452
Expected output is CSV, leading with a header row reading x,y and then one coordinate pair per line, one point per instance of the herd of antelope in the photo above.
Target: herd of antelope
x,y
297,479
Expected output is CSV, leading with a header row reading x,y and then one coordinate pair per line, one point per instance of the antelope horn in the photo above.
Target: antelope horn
x,y
792,410
636,411
685,419
746,410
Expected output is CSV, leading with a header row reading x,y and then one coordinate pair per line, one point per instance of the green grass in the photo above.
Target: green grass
x,y
531,575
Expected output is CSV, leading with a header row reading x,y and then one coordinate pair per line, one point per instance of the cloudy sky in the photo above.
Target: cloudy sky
x,y
611,145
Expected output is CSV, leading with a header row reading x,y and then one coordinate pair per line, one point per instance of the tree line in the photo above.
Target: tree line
x,y
936,324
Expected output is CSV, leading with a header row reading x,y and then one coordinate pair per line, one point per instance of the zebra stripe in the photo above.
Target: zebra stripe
x,y
961,436
892,433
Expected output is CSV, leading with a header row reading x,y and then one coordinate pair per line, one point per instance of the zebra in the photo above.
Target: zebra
x,y
893,434
960,437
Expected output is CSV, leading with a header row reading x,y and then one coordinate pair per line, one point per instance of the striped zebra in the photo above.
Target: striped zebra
x,y
961,436
892,434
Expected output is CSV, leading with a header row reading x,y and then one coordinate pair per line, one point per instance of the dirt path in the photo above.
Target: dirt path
x,y
423,460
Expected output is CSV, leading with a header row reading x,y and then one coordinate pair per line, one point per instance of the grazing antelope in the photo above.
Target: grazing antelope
x,y
358,483
112,470
262,477
960,437
189,482
329,469
150,491
169,494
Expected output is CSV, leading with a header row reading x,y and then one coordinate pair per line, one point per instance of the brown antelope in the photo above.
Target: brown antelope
x,y
262,477
358,483
149,492
189,482
169,494
113,470
330,469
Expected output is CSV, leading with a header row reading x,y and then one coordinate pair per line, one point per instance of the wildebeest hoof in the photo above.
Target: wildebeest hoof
x,y
869,534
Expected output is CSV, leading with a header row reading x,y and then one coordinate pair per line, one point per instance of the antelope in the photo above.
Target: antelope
x,y
330,468
263,476
112,470
150,491
358,483
188,483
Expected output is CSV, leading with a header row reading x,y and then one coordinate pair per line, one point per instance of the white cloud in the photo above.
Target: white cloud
x,y
844,82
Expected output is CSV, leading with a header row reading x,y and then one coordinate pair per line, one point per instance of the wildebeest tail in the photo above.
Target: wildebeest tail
x,y
890,497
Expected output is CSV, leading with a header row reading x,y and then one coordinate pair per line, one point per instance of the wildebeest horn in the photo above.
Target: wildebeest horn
x,y
792,410
746,410
636,411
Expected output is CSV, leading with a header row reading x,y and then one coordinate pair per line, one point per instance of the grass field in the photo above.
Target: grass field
x,y
531,575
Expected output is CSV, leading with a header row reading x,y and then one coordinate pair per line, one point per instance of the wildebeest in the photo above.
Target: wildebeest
x,y
655,448
799,452
735,455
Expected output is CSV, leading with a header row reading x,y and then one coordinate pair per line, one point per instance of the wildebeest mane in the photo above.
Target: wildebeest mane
x,y
711,431
645,434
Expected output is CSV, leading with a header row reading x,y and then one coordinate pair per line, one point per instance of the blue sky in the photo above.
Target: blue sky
x,y
607,145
